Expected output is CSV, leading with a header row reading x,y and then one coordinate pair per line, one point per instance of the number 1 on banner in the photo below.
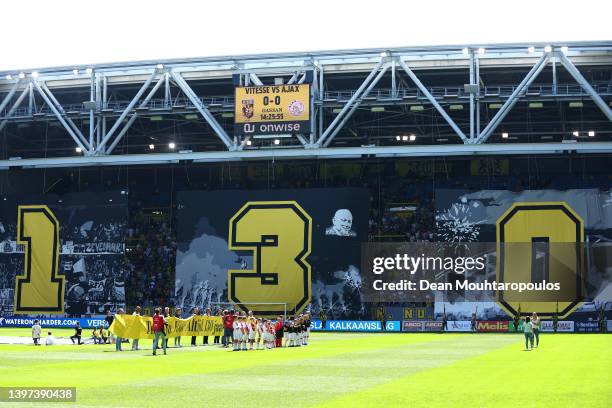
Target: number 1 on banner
x,y
39,288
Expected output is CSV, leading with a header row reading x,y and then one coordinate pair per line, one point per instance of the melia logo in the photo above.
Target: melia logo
x,y
493,326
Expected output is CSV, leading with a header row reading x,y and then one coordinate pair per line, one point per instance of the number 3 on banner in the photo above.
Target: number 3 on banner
x,y
279,233
39,288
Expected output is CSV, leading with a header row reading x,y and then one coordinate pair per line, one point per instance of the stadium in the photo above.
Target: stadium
x,y
420,226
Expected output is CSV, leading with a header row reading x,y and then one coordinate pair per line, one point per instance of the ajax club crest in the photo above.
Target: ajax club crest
x,y
296,108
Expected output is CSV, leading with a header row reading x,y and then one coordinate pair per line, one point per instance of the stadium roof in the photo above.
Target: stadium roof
x,y
365,102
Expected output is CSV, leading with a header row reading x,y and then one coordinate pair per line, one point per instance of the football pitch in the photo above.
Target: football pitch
x,y
335,370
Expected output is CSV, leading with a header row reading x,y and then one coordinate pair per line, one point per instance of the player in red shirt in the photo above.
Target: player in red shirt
x,y
228,327
280,329
158,330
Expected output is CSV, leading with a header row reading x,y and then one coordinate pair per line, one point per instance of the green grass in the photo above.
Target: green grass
x,y
336,370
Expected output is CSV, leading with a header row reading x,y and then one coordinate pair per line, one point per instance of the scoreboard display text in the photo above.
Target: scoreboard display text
x,y
270,110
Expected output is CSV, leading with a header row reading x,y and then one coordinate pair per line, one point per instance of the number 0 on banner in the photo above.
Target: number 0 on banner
x,y
40,288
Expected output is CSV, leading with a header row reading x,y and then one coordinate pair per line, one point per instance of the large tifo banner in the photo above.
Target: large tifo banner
x,y
554,233
272,250
62,254
140,327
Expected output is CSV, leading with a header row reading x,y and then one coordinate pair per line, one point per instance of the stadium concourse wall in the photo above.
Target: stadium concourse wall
x,y
391,200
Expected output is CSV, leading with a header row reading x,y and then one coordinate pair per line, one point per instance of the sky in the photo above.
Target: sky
x,y
39,33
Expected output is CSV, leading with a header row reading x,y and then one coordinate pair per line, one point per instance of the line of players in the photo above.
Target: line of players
x,y
267,334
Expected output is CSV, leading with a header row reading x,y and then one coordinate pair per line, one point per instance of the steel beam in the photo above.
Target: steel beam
x,y
301,138
9,96
124,114
31,101
314,95
210,119
293,78
167,94
244,142
92,97
355,105
478,80
571,68
132,118
59,117
477,150
255,79
393,81
471,95
433,101
98,95
513,99
348,105
321,97
16,104
554,75
60,109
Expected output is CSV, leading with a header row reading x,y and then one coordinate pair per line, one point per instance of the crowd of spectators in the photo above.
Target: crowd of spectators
x,y
150,253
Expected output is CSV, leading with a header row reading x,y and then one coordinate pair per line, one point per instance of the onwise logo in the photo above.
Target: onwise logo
x,y
492,326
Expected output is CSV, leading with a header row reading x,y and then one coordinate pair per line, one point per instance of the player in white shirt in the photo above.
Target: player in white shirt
x,y
272,335
50,340
36,333
245,333
259,331
251,329
237,334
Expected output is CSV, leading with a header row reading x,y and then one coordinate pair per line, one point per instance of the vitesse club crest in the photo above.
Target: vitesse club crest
x,y
248,108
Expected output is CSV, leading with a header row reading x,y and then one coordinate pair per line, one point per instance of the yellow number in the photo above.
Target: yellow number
x,y
279,233
39,288
535,242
